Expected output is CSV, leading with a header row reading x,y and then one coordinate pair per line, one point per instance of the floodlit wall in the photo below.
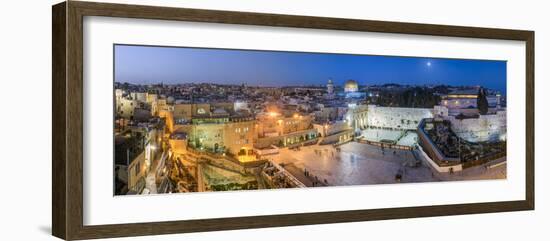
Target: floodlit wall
x,y
484,128
396,117
357,116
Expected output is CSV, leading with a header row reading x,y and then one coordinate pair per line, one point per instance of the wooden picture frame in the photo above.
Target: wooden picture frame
x,y
67,123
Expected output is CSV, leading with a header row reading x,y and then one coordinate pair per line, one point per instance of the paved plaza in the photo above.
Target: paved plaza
x,y
404,138
381,134
360,164
409,139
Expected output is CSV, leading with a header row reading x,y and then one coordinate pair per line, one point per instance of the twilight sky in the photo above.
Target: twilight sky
x,y
170,65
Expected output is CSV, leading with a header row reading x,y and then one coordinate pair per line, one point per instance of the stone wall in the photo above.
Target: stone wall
x,y
397,117
484,128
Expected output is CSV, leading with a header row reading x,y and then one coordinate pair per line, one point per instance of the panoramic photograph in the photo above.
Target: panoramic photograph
x,y
192,119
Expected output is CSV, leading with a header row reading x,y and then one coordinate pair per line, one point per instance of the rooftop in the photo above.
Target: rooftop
x,y
179,136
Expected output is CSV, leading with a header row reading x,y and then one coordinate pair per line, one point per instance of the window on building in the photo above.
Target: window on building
x,y
136,169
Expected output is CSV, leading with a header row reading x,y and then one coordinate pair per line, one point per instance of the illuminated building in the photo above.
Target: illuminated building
x,y
356,117
274,124
241,105
118,95
139,96
159,105
330,88
125,108
334,132
182,111
216,128
233,135
459,101
169,119
135,149
150,98
130,163
278,129
187,111
351,86
351,90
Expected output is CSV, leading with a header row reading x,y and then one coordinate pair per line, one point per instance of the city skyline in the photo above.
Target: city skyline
x,y
179,65
220,136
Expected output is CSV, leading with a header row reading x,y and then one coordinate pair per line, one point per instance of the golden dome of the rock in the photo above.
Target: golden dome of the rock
x,y
351,86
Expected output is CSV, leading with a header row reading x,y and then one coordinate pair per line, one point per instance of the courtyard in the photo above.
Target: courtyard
x,y
355,163
400,137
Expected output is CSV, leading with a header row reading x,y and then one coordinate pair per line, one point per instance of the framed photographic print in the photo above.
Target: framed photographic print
x,y
171,120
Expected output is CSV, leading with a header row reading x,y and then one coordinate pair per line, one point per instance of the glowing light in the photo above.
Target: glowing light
x,y
462,96
429,64
273,114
